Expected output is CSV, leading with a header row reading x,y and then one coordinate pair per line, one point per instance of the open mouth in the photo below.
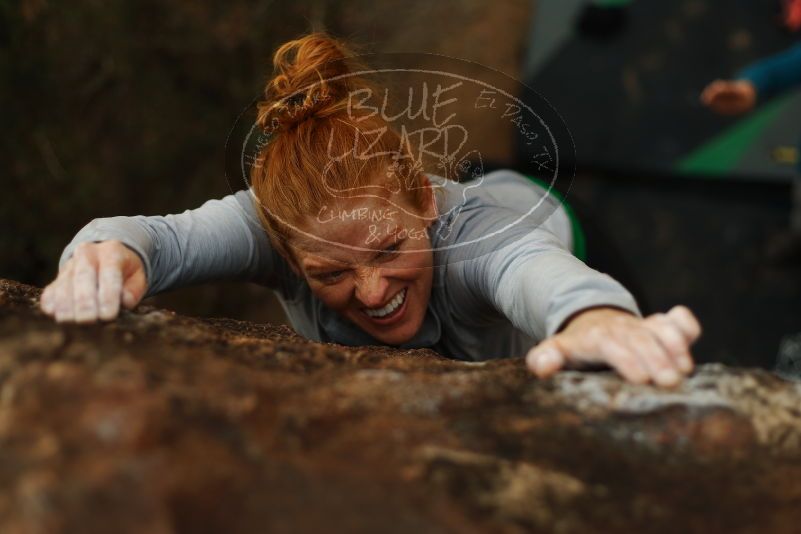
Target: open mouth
x,y
391,311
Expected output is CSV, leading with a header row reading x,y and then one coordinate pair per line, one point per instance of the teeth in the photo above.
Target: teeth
x,y
389,308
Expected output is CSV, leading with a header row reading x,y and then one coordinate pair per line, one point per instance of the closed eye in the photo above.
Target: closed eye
x,y
389,252
330,277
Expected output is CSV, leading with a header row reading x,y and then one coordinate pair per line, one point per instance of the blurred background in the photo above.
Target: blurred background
x,y
122,108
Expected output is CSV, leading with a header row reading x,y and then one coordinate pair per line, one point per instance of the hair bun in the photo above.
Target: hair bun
x,y
309,80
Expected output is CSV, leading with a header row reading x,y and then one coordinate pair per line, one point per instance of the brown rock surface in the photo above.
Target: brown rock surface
x,y
162,423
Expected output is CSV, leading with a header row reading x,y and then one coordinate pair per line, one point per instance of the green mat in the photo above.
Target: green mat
x,y
579,239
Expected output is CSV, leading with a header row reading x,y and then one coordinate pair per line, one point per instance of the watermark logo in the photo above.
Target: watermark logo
x,y
414,115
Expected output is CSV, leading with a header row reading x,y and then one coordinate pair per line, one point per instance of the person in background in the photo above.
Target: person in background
x,y
757,83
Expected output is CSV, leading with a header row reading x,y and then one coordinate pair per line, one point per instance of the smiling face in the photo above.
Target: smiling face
x,y
370,260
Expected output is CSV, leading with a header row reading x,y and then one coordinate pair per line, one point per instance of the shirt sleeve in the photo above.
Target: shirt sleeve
x,y
526,273
775,74
221,240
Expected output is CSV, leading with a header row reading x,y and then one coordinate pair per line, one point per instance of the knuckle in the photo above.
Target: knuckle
x,y
657,318
681,308
673,339
615,351
78,269
81,289
108,294
84,283
82,250
633,373
623,318
83,267
85,305
598,332
110,277
641,336
114,255
111,246
657,363
84,298
630,369
677,349
687,319
109,301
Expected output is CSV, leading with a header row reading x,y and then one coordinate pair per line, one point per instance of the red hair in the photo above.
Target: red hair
x,y
306,114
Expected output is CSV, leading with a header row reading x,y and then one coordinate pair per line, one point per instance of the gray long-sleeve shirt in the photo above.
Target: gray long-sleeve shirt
x,y
504,277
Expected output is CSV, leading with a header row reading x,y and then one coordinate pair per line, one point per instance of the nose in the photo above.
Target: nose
x,y
371,287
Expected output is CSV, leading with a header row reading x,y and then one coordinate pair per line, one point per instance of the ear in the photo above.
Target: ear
x,y
294,265
431,212
292,259
286,251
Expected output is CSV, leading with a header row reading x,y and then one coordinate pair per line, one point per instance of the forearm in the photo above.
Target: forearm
x,y
776,74
222,239
541,293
